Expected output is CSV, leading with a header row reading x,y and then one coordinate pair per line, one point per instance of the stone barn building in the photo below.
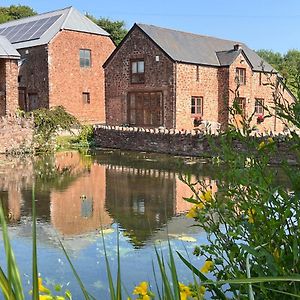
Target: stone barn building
x,y
62,53
162,77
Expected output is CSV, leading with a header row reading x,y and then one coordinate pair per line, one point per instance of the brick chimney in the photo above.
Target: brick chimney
x,y
237,47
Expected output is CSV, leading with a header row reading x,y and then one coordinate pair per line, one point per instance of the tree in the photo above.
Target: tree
x,y
275,59
116,29
15,12
288,65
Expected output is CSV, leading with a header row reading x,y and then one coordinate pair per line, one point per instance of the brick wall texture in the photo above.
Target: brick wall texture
x,y
50,75
179,82
8,86
68,80
159,76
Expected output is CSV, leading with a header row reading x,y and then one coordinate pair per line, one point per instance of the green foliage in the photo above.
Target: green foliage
x,y
15,12
275,59
252,222
48,123
116,29
11,285
86,136
288,65
85,139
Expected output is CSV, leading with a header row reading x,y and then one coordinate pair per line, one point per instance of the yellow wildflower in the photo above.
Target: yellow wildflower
x,y
251,213
270,140
207,196
208,266
192,213
45,297
185,291
42,289
200,205
141,289
202,290
49,297
261,145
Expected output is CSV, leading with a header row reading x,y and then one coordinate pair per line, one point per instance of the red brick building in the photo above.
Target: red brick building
x,y
8,77
162,77
62,53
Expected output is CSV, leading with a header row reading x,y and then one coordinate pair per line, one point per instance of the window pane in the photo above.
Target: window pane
x,y
134,67
132,101
85,58
199,106
140,66
259,106
193,108
82,61
86,98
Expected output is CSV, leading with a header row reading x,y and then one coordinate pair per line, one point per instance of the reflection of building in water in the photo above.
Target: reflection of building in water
x,y
79,208
140,200
184,191
78,195
143,201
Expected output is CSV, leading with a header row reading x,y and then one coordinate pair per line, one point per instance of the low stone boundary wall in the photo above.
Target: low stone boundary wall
x,y
151,140
175,142
16,135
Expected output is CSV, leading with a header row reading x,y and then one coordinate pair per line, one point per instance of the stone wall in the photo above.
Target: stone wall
x,y
176,142
159,77
16,135
188,84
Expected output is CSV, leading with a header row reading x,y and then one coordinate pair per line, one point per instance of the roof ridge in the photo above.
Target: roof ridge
x,y
39,14
71,8
190,33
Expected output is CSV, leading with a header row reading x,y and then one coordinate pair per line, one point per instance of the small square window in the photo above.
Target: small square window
x,y
241,106
85,58
86,98
259,106
197,73
137,71
197,105
259,80
240,76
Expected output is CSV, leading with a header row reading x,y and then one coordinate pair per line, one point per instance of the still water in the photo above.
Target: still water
x,y
137,195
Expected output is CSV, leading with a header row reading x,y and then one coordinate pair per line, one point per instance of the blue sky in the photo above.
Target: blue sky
x,y
262,24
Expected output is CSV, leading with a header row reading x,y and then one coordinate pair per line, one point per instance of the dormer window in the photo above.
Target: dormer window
x,y
137,71
240,76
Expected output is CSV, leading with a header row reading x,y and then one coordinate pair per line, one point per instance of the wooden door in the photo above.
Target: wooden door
x,y
22,99
145,109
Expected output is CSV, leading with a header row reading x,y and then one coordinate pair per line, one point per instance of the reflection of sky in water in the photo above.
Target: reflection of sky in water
x,y
76,194
88,259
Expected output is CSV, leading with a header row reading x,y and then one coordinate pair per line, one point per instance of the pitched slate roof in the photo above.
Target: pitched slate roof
x,y
7,50
199,49
40,29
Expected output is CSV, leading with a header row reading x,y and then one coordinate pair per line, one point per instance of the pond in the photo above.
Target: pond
x,y
135,197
